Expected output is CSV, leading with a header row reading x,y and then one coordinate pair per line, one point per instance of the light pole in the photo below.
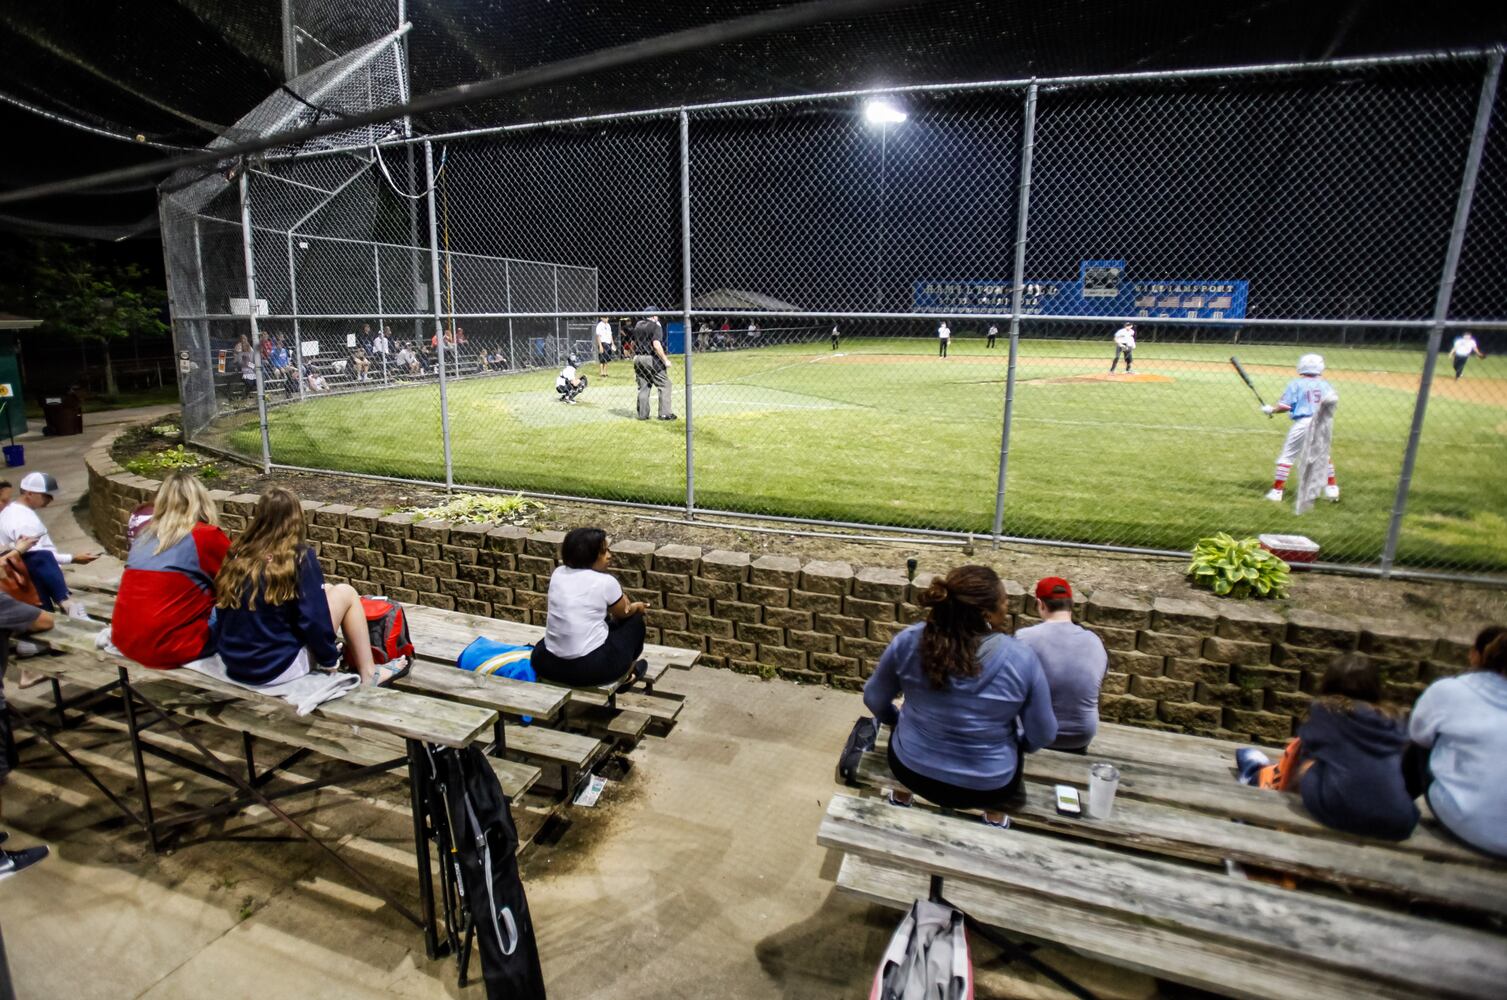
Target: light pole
x,y
884,114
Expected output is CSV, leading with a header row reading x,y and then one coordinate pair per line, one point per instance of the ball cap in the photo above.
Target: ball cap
x,y
1053,588
39,482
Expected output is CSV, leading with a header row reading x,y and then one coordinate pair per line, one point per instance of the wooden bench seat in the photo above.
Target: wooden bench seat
x,y
404,714
1376,866
1194,926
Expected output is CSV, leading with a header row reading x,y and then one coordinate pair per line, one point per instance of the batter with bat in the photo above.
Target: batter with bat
x,y
1302,400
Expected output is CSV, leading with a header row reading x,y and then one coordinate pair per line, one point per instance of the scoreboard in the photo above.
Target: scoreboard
x,y
1101,289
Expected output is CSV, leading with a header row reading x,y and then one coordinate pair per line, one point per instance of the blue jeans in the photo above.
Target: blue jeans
x,y
47,576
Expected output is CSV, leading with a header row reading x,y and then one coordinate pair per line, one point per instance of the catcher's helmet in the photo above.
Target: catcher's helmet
x,y
573,360
1311,364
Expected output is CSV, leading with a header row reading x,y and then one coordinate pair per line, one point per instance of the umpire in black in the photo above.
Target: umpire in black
x,y
651,366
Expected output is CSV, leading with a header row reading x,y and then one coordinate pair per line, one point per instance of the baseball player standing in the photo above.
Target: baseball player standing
x,y
1301,399
944,334
1464,347
1124,344
836,336
604,345
993,334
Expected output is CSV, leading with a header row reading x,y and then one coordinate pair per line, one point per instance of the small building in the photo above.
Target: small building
x,y
13,413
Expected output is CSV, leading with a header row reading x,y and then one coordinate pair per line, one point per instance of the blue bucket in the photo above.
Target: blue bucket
x,y
15,455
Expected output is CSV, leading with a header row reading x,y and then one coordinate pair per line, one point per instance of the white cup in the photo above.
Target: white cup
x,y
1103,780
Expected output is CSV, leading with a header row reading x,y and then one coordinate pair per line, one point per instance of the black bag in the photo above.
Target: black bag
x,y
862,738
477,820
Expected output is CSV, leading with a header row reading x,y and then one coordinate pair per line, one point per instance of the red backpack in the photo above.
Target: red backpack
x,y
388,628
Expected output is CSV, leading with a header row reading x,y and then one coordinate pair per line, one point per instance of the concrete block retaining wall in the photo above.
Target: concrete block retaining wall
x,y
1232,670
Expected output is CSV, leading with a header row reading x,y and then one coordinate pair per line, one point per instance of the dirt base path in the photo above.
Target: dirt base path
x,y
1486,391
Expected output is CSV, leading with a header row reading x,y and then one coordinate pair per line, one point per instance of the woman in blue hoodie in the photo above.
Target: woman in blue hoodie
x,y
1346,763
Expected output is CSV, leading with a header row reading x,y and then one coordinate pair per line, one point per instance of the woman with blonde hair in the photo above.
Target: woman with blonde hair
x,y
276,616
167,593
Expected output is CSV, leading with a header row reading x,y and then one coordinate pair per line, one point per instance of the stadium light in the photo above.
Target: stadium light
x,y
882,112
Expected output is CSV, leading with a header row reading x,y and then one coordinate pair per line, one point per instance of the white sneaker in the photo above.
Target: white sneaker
x,y
25,648
77,610
1332,493
1275,496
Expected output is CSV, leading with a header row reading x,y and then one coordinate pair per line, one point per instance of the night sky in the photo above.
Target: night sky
x,y
790,206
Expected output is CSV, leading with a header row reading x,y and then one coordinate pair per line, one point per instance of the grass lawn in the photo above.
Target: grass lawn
x,y
887,433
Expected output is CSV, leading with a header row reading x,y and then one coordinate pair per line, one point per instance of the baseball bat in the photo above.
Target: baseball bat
x,y
1247,380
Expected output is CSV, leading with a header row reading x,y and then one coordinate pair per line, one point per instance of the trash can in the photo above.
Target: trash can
x,y
63,414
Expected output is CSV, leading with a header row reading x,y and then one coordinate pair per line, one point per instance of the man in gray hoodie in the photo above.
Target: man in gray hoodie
x,y
1073,660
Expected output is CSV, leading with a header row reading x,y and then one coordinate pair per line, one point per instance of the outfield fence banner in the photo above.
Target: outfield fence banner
x,y
889,309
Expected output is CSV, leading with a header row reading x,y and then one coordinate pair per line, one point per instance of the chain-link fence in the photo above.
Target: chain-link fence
x,y
890,309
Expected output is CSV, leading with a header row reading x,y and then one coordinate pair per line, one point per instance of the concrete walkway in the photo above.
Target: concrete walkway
x,y
697,876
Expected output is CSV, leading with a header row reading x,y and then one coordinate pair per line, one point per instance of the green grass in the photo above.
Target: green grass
x,y
889,434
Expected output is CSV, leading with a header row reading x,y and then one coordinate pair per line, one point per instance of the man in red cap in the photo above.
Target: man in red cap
x,y
1073,660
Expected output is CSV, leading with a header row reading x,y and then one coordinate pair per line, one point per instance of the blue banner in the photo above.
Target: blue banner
x,y
1101,289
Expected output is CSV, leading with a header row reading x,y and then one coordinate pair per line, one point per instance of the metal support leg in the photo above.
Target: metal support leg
x,y
57,702
233,774
128,696
418,778
247,748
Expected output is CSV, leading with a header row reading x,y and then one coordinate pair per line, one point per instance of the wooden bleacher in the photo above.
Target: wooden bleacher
x,y
1147,888
374,730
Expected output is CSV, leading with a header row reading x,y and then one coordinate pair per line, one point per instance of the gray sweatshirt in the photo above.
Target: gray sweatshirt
x,y
1464,720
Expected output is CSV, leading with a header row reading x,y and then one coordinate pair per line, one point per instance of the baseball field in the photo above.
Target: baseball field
x,y
885,432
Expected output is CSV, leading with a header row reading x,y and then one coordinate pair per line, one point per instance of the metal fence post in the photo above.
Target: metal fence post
x,y
297,330
559,355
1441,302
256,332
439,329
1017,295
507,282
685,308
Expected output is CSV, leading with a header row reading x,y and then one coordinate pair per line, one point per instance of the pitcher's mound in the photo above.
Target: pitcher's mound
x,y
1105,377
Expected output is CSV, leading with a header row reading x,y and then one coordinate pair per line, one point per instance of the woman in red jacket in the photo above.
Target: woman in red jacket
x,y
162,616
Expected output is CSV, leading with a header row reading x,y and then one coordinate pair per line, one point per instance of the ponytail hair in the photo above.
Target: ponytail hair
x,y
956,607
1491,647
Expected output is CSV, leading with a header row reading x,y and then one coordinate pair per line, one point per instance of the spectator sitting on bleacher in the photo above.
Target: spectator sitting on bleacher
x,y
1346,762
16,618
167,592
593,634
316,381
407,362
1459,735
361,363
1073,660
22,529
245,362
276,617
976,699
281,365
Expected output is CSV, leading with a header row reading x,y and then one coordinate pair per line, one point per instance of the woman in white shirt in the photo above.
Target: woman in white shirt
x,y
593,634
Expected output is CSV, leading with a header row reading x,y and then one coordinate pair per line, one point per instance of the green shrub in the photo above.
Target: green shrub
x,y
1240,567
483,508
153,465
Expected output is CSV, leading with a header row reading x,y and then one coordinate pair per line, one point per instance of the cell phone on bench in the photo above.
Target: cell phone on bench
x,y
1067,800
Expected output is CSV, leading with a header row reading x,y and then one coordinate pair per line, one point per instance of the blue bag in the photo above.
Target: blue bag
x,y
500,659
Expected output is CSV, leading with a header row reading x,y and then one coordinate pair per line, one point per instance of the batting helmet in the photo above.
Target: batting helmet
x,y
1311,364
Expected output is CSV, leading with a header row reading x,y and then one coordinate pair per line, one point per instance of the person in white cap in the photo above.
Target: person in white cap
x,y
19,521
1302,399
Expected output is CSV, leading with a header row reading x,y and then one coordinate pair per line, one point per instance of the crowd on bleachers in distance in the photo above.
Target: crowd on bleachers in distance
x,y
977,701
372,355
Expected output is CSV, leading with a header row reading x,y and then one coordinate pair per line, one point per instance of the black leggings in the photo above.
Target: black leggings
x,y
950,796
608,662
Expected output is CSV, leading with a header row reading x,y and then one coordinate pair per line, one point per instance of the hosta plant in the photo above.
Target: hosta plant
x,y
1237,567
